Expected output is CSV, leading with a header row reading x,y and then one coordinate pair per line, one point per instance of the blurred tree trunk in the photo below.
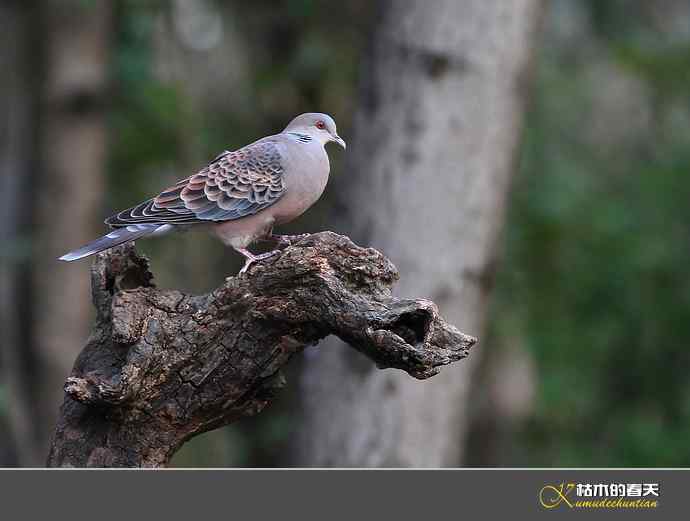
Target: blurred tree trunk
x,y
73,153
54,174
430,164
20,59
502,399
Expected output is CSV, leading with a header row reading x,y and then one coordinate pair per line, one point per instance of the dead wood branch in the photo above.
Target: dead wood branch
x,y
161,366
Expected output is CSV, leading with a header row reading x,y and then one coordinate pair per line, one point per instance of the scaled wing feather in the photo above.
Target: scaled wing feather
x,y
234,185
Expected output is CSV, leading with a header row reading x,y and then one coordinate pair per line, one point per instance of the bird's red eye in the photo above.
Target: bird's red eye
x,y
320,125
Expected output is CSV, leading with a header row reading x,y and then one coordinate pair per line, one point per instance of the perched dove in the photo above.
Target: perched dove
x,y
240,195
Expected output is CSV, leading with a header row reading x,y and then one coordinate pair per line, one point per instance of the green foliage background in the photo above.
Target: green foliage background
x,y
597,249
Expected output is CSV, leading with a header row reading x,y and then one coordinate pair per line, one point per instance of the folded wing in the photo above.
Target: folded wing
x,y
234,185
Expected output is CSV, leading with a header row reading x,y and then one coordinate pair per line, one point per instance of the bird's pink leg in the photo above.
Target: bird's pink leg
x,y
251,258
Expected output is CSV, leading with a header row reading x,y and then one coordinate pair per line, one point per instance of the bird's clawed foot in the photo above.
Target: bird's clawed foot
x,y
251,258
289,240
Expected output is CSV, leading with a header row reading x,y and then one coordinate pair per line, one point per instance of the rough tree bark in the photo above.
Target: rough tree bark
x,y
161,366
433,152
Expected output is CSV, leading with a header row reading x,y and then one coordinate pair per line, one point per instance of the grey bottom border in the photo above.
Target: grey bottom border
x,y
330,494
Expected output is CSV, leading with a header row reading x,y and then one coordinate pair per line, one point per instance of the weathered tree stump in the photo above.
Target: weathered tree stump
x,y
161,366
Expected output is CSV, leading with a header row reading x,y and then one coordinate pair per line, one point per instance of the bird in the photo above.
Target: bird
x,y
240,195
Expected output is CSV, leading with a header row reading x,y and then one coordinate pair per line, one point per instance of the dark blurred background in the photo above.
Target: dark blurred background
x,y
524,164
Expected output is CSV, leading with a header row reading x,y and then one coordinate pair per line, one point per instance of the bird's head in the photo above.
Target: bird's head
x,y
319,126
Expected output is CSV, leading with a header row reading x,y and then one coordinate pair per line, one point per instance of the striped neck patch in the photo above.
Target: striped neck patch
x,y
302,138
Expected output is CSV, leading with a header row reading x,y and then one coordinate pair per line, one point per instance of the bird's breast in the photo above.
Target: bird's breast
x,y
305,180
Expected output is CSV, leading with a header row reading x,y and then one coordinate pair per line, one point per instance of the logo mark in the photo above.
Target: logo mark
x,y
600,495
551,496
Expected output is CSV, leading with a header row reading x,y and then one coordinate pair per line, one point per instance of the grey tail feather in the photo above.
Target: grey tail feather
x,y
114,238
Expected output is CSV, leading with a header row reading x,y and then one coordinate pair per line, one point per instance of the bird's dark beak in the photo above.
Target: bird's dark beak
x,y
337,139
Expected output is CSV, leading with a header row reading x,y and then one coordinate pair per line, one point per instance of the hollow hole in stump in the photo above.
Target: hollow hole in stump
x,y
412,327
